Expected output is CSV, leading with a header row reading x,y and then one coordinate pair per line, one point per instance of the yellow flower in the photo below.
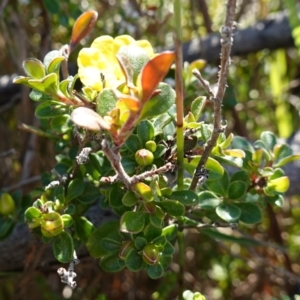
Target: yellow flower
x,y
100,60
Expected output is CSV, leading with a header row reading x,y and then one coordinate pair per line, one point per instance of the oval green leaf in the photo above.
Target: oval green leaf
x,y
34,68
236,190
172,208
132,222
63,247
112,263
134,261
75,189
186,197
208,200
228,212
51,109
155,271
250,212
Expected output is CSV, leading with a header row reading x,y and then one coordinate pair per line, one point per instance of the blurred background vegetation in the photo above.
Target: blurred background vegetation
x,y
263,94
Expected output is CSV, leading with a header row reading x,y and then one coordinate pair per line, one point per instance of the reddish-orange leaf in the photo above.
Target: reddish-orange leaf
x,y
132,103
154,72
82,27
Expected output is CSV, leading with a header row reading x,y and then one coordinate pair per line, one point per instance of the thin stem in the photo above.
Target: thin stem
x,y
180,241
179,91
226,42
113,155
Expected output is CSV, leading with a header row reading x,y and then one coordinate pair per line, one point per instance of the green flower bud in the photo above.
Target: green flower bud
x,y
151,146
67,219
151,254
144,157
7,204
32,214
52,224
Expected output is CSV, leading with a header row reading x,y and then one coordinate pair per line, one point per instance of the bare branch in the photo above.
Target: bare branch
x,y
226,43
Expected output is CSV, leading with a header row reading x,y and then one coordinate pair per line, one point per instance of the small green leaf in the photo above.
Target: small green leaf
x,y
219,186
132,222
208,200
160,151
279,185
152,232
84,228
261,153
170,232
106,101
65,85
52,6
230,238
168,249
50,56
38,96
172,208
160,122
160,240
155,271
107,230
6,227
54,65
240,176
47,85
230,160
186,197
276,200
115,196
134,261
206,132
269,139
250,212
91,194
112,263
228,212
133,143
129,199
61,123
140,242
63,247
75,189
197,107
110,245
226,143
282,151
51,109
237,190
145,132
160,103
34,68
215,168
129,164
241,143
287,160
155,221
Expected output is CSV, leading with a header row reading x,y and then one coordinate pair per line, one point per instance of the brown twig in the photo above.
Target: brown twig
x,y
114,158
226,43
